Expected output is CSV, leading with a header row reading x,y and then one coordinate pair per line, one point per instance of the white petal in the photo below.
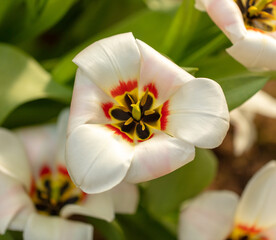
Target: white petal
x,y
255,50
97,159
125,198
257,206
88,102
227,15
198,113
209,217
160,73
13,199
95,205
110,61
261,103
55,228
40,143
13,159
19,221
244,131
61,132
158,156
269,234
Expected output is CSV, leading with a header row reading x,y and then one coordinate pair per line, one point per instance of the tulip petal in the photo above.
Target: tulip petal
x,y
158,156
55,228
94,205
198,113
61,133
269,233
19,221
111,62
159,74
40,144
97,159
209,217
13,199
261,103
227,15
255,50
125,198
245,132
257,204
13,159
87,102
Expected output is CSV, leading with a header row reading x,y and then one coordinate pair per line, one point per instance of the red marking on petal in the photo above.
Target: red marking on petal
x,y
146,139
164,115
124,87
106,107
32,189
255,29
63,170
45,170
247,229
152,89
118,132
274,3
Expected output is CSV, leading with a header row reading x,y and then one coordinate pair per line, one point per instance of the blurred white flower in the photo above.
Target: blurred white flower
x,y
242,119
37,194
135,115
250,25
220,215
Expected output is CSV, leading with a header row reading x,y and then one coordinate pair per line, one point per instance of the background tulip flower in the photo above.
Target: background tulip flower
x,y
243,120
135,115
250,26
37,194
219,215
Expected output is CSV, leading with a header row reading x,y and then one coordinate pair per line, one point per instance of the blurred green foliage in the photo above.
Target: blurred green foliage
x,y
39,38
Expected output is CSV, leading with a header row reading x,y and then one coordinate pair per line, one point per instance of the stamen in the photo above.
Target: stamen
x,y
131,99
129,121
261,4
253,11
149,112
144,98
143,126
125,109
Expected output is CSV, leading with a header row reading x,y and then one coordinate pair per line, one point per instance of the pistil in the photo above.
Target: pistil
x,y
136,111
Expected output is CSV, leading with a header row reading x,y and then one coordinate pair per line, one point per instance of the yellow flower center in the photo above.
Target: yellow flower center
x,y
258,14
51,192
136,117
242,232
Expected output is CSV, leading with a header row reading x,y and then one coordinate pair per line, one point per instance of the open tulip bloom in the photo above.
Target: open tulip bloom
x,y
251,27
243,120
36,193
219,215
136,116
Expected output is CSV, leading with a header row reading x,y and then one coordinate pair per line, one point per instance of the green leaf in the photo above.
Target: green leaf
x,y
12,235
109,230
143,226
236,81
165,194
191,70
6,236
22,80
181,29
34,112
41,15
5,6
239,88
145,25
